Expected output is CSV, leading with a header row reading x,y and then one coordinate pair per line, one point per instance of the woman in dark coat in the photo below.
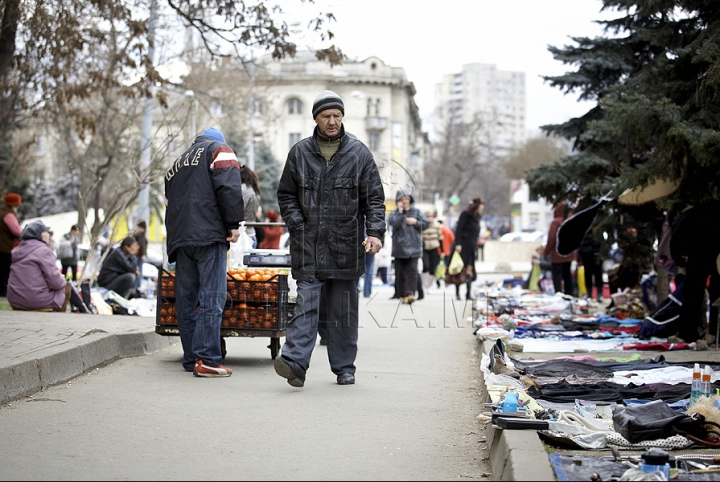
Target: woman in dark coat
x,y
467,232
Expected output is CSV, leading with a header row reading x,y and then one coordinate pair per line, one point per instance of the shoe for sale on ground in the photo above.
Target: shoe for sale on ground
x,y
287,368
346,379
205,370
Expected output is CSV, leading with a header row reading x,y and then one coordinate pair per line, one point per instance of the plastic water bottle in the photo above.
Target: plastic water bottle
x,y
706,384
150,289
696,386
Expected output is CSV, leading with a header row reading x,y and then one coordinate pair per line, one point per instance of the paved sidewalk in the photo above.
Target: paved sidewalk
x,y
42,349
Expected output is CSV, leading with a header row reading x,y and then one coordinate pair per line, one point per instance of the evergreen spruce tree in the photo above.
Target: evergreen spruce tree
x,y
655,78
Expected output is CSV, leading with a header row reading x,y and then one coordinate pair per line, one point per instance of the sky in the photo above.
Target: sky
x,y
432,38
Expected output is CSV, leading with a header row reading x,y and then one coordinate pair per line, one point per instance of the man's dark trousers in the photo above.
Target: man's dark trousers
x,y
342,324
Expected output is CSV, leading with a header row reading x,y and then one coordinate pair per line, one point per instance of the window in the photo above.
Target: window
x,y
216,109
373,141
294,106
293,138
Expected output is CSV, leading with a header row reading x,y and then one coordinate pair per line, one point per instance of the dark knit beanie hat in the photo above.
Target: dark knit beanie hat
x,y
327,100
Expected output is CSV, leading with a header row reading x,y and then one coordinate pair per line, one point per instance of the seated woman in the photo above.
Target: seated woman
x,y
35,281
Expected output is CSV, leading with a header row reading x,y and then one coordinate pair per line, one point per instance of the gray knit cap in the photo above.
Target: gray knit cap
x,y
327,100
33,230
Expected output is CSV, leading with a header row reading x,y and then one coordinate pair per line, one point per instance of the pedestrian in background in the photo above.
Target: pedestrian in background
x,y
432,240
407,223
369,274
10,232
68,252
448,239
251,199
589,252
383,260
35,282
204,211
466,235
327,227
272,233
140,235
561,265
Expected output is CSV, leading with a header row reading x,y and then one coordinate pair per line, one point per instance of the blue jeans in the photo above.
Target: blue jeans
x,y
368,276
200,280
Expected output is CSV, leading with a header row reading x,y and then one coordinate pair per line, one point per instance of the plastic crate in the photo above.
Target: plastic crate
x,y
250,305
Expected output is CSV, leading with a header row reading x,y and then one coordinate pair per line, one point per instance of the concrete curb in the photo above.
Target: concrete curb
x,y
61,363
515,454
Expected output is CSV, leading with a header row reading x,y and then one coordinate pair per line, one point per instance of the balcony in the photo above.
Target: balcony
x,y
373,123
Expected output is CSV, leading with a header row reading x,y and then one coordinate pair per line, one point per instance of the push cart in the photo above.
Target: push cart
x,y
257,305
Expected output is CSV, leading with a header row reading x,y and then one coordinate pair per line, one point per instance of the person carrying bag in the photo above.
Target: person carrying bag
x,y
455,274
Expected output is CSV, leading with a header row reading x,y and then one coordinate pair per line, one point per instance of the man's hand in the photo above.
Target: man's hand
x,y
234,235
372,245
458,248
411,221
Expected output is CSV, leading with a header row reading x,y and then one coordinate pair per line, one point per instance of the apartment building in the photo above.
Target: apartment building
x,y
482,92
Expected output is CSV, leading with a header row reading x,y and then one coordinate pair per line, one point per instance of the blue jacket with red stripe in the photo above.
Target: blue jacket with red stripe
x,y
204,196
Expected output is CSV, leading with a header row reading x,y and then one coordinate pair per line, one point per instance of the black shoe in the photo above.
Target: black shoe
x,y
323,341
287,368
346,379
421,297
457,296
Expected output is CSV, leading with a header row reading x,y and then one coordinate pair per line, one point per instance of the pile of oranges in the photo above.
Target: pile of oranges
x,y
254,274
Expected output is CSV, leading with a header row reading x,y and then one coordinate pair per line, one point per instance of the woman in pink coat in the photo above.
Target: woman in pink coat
x,y
35,281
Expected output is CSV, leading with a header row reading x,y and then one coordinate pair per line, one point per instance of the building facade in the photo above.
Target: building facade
x,y
380,110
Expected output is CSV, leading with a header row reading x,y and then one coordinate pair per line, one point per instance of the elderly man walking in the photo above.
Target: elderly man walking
x,y
329,195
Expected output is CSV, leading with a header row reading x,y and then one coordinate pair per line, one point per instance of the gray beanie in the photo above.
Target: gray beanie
x,y
327,100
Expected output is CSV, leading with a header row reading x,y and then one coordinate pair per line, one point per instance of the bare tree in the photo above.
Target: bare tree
x,y
464,164
50,52
537,151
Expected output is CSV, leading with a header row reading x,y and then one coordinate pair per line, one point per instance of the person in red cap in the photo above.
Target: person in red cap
x,y
272,233
9,236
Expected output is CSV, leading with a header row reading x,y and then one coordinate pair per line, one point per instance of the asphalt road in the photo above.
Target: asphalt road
x,y
410,416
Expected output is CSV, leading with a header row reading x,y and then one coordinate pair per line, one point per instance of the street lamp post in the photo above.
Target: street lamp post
x,y
193,125
143,210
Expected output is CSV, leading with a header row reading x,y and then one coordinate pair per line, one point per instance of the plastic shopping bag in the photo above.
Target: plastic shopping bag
x,y
456,264
440,270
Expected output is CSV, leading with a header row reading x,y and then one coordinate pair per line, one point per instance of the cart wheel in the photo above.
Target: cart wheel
x,y
274,347
223,349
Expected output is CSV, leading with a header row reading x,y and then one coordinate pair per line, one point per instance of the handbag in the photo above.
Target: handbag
x,y
656,420
456,264
456,279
